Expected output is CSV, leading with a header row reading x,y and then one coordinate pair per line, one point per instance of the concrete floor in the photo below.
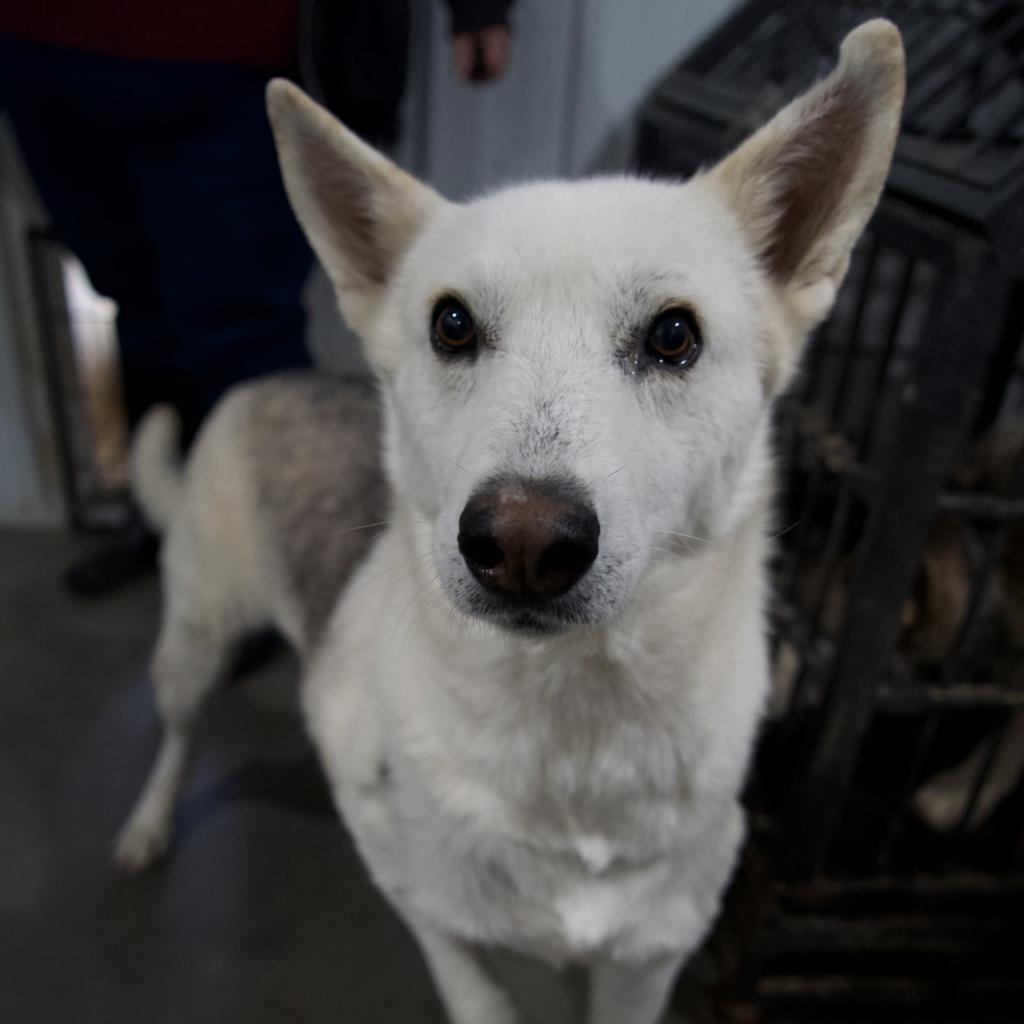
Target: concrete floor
x,y
263,911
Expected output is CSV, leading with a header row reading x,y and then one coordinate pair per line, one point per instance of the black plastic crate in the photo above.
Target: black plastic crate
x,y
899,609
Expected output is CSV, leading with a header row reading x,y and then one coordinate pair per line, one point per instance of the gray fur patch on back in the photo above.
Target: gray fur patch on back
x,y
314,446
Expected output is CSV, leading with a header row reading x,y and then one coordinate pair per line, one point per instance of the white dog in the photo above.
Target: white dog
x,y
537,693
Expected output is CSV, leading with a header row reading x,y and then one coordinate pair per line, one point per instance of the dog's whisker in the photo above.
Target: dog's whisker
x,y
428,604
405,564
435,595
668,551
408,605
782,533
685,536
364,526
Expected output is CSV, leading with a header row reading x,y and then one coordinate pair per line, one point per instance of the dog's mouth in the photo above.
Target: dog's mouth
x,y
536,617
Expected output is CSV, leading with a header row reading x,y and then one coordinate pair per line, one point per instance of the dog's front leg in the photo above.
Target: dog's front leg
x,y
469,994
631,993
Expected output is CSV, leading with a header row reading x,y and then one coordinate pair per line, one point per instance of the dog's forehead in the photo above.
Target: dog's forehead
x,y
591,235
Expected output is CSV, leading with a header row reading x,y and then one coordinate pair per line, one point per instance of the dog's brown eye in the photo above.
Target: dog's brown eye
x,y
674,338
454,330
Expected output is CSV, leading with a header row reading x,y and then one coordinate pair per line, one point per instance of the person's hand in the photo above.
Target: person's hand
x,y
482,55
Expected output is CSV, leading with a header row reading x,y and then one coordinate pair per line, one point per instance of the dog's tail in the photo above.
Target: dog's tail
x,y
155,465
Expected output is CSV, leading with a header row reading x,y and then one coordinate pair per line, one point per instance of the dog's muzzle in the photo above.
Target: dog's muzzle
x,y
528,540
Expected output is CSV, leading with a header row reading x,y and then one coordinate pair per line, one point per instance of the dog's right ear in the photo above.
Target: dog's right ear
x,y
359,210
803,187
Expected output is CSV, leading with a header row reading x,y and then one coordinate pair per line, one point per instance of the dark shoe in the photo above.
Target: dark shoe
x,y
130,557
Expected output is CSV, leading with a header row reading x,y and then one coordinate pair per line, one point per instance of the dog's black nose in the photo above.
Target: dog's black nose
x,y
528,538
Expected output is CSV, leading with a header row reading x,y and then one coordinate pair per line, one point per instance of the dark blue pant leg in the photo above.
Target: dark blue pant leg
x,y
162,177
232,260
79,158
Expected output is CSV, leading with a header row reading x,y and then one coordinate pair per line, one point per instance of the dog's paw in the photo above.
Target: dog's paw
x,y
484,1006
489,1013
140,845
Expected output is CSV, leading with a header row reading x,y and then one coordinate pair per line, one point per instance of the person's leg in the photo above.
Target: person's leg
x,y
69,123
163,179
73,133
232,259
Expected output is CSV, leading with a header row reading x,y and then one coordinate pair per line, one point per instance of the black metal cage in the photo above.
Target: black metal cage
x,y
887,792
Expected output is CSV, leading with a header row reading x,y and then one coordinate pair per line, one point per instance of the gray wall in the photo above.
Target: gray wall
x,y
579,70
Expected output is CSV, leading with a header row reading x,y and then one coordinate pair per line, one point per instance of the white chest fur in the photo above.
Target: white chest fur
x,y
563,797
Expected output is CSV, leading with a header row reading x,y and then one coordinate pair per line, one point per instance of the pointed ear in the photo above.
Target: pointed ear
x,y
359,210
804,185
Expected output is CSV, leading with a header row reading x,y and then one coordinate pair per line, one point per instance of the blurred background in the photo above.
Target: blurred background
x,y
884,879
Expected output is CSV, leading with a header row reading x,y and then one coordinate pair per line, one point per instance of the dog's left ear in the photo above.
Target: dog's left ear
x,y
359,210
804,185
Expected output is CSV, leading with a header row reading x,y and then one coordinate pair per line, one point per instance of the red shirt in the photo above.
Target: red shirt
x,y
254,32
